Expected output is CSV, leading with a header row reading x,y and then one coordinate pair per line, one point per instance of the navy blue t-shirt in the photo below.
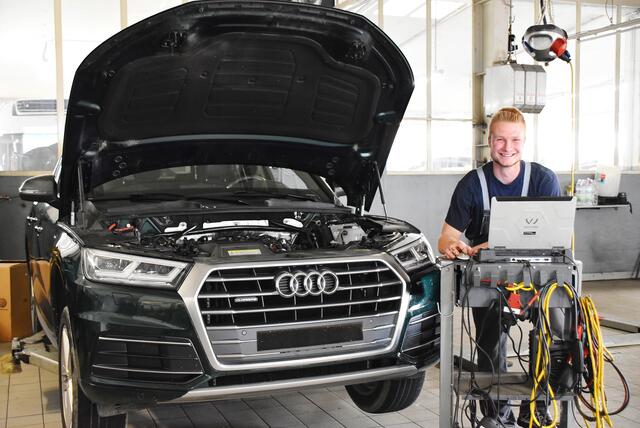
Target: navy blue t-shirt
x,y
465,212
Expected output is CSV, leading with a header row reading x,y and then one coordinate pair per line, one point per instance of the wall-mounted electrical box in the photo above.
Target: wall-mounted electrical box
x,y
514,85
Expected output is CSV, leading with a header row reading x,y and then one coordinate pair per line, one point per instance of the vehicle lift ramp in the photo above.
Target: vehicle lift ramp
x,y
36,351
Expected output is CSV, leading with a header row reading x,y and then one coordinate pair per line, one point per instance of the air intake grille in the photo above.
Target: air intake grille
x,y
145,360
249,296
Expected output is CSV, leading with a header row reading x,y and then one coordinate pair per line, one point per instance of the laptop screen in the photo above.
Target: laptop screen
x,y
537,223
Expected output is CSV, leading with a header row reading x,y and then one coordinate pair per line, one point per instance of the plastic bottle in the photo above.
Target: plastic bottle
x,y
580,192
593,192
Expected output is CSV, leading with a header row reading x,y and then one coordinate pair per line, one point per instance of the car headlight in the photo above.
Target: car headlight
x,y
117,268
415,255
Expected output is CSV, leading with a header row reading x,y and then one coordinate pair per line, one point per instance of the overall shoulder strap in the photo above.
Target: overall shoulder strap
x,y
485,189
527,177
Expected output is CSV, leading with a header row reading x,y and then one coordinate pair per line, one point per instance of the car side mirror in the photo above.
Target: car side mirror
x,y
42,188
339,191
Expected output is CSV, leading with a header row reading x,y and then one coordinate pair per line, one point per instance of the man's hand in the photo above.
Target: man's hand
x,y
474,250
456,248
450,245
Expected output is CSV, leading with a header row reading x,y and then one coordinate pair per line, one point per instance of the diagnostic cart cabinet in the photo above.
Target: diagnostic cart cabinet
x,y
474,284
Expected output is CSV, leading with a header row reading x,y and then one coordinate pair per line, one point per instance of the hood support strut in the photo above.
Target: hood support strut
x,y
379,178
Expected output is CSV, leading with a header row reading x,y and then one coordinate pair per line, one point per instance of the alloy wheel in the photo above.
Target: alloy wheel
x,y
66,378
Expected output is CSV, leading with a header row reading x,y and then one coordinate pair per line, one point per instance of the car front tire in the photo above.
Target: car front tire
x,y
386,395
76,408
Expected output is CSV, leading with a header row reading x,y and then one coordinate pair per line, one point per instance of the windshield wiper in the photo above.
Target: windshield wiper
x,y
216,199
157,196
165,196
277,195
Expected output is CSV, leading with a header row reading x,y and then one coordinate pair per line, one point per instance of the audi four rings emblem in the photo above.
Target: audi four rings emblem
x,y
300,284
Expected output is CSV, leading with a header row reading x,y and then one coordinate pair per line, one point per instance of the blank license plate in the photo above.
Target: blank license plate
x,y
304,337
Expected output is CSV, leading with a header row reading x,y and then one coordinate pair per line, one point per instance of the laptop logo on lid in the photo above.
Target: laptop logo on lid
x,y
531,220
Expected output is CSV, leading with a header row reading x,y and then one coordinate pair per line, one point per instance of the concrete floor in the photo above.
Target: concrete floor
x,y
30,398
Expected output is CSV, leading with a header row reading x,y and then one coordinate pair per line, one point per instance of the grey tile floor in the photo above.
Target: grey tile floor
x,y
30,399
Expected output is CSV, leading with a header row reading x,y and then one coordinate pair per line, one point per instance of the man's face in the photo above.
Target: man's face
x,y
505,141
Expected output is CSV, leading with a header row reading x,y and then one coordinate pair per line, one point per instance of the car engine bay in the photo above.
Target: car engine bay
x,y
256,234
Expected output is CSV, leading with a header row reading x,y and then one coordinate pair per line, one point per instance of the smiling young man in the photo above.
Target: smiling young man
x,y
505,175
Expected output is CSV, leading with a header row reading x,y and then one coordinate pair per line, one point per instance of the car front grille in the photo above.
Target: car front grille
x,y
248,320
248,296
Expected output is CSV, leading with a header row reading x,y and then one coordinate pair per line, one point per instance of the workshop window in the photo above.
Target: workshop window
x,y
553,137
28,131
409,153
629,125
454,151
405,22
138,10
435,134
596,130
85,24
450,62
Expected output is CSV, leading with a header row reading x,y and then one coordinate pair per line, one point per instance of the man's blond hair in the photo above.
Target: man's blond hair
x,y
507,114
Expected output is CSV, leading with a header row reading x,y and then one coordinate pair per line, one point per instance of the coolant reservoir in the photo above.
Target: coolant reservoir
x,y
607,180
345,233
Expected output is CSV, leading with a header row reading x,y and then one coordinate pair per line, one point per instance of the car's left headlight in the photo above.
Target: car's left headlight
x,y
414,255
117,268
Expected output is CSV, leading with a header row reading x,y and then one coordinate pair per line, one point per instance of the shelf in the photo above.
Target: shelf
x,y
597,207
513,386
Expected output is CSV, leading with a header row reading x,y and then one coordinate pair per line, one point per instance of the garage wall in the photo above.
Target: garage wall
x,y
607,239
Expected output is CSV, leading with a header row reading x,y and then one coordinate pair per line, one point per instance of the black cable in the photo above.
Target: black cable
x,y
547,341
518,349
540,391
573,411
539,326
479,335
486,393
500,327
466,323
477,346
543,12
457,404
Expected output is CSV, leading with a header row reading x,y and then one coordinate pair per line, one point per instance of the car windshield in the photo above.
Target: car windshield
x,y
245,181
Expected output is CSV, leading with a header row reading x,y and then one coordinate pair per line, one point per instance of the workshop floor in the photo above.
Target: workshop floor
x,y
30,398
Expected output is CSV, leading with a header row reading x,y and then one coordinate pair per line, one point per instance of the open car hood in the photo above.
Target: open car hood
x,y
249,82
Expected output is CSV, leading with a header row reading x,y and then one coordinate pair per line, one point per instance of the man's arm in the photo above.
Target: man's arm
x,y
449,243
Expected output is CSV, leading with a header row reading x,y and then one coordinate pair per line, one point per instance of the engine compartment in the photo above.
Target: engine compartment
x,y
247,234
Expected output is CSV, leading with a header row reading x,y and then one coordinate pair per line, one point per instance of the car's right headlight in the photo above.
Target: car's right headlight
x,y
414,255
117,268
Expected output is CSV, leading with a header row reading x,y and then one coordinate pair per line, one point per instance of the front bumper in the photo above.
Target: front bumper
x,y
158,322
247,390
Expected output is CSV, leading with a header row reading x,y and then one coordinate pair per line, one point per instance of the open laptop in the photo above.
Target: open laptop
x,y
531,228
